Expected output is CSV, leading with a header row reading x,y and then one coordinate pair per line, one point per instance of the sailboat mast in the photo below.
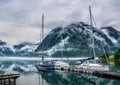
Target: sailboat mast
x,y
42,36
61,41
42,31
91,23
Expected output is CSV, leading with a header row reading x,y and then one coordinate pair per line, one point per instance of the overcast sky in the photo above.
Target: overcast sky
x,y
20,20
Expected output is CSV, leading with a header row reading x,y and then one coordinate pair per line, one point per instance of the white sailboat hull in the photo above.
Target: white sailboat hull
x,y
93,66
61,63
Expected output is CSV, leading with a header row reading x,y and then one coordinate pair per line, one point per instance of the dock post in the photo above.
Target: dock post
x,y
14,80
0,81
4,82
9,81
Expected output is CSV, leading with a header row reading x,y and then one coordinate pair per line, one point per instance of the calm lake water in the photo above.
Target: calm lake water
x,y
30,76
62,78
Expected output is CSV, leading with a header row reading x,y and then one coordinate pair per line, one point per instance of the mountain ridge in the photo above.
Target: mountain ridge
x,y
74,39
80,36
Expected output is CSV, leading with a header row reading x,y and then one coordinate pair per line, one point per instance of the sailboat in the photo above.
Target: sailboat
x,y
44,65
49,65
85,63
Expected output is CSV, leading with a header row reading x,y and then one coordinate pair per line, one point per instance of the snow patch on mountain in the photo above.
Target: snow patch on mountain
x,y
59,47
99,38
6,49
25,48
29,48
111,38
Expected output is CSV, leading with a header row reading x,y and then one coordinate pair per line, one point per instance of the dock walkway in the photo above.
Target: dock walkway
x,y
102,74
9,79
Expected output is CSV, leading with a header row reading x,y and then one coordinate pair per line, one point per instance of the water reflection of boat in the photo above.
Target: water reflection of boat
x,y
65,78
85,63
53,78
89,79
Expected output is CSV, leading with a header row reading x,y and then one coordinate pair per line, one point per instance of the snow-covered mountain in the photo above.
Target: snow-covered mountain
x,y
6,49
22,49
76,40
25,49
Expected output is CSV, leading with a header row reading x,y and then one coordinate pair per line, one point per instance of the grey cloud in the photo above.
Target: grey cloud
x,y
18,18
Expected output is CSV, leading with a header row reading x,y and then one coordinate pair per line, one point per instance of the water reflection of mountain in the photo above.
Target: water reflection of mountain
x,y
65,78
28,73
17,66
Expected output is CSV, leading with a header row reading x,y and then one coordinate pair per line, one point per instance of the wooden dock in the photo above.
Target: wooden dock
x,y
9,79
109,75
102,74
